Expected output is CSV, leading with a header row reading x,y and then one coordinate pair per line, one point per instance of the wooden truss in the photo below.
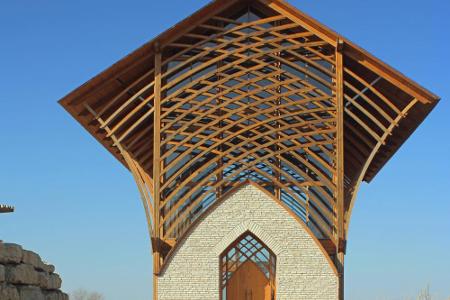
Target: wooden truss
x,y
6,208
250,91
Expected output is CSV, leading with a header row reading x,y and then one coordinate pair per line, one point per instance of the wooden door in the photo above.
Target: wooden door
x,y
249,283
247,270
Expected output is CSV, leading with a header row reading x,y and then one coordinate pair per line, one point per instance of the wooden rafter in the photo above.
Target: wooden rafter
x,y
250,91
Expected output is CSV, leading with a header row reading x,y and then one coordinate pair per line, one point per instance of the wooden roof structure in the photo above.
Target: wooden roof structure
x,y
250,90
6,208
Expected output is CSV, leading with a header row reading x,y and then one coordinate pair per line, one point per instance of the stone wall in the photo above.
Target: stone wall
x,y
24,276
303,270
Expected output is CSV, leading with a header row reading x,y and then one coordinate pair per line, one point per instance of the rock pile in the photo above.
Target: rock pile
x,y
24,276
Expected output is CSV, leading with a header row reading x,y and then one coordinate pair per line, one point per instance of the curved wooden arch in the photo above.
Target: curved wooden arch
x,y
323,245
250,91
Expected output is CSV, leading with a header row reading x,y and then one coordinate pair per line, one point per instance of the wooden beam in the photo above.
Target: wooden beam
x,y
133,167
303,20
264,98
6,208
390,74
369,160
353,51
340,194
156,159
330,246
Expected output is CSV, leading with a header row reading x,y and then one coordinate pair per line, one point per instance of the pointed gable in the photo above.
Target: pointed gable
x,y
250,90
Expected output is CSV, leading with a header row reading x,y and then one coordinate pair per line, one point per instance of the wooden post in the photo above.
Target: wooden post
x,y
220,187
340,164
157,169
277,114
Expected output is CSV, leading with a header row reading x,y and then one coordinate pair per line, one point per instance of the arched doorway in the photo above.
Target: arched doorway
x,y
247,270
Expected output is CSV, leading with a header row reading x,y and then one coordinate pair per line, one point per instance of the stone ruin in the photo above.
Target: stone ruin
x,y
24,276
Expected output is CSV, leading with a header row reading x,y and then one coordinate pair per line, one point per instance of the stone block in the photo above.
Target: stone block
x,y
49,268
44,280
2,273
10,253
24,276
56,295
31,258
21,274
54,281
28,292
8,292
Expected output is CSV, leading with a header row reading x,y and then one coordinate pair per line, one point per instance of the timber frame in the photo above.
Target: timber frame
x,y
250,90
6,208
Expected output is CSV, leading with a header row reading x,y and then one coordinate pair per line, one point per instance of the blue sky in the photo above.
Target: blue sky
x,y
79,208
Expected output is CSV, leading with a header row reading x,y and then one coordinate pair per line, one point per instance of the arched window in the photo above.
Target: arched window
x,y
247,269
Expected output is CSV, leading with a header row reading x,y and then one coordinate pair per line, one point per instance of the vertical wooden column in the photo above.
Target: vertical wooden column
x,y
157,170
340,165
278,137
219,179
277,173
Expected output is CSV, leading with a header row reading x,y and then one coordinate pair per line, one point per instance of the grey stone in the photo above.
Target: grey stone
x,y
44,280
55,295
10,253
31,258
2,273
54,282
30,293
22,274
8,292
49,268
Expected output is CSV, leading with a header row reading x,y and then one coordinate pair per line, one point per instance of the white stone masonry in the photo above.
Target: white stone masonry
x,y
302,268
